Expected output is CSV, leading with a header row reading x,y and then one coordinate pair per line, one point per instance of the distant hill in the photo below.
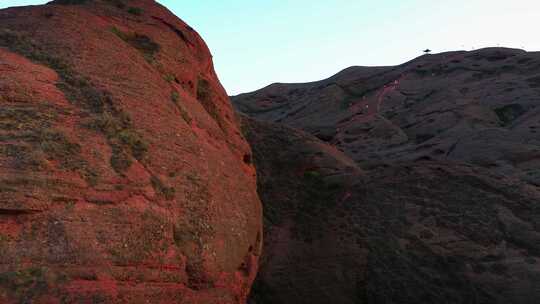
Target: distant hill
x,y
422,186
480,107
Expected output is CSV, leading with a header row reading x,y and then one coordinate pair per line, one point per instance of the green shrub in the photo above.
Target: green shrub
x,y
185,115
120,159
125,142
175,97
312,175
204,93
508,113
169,78
132,140
137,11
161,189
142,43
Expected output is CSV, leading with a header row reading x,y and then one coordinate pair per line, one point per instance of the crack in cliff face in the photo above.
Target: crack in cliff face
x,y
14,211
142,43
206,96
178,32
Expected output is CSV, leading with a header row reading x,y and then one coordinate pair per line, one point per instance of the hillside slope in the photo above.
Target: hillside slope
x,y
413,232
444,205
479,107
124,176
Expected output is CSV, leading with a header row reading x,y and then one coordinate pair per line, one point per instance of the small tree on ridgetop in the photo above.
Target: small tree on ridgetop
x,y
427,51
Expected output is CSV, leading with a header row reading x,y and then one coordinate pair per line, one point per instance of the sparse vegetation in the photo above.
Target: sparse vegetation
x,y
508,113
205,97
185,115
137,11
162,189
132,140
125,142
203,90
169,78
114,123
312,175
175,97
139,244
32,125
25,284
56,145
144,44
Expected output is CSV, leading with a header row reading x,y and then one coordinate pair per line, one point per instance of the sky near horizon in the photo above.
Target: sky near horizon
x,y
256,43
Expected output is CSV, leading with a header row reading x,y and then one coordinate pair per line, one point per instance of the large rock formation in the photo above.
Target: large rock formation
x,y
124,177
401,216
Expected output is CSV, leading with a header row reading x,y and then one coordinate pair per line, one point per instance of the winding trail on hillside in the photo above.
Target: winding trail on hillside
x,y
367,108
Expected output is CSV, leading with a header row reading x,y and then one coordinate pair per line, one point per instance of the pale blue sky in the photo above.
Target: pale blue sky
x,y
256,43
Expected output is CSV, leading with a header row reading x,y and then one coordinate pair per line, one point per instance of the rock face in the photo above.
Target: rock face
x,y
304,185
397,216
124,177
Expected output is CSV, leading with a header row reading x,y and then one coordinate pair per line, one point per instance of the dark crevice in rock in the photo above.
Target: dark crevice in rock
x,y
178,32
4,211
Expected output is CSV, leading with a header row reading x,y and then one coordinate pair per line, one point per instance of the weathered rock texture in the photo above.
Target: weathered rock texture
x,y
432,199
123,175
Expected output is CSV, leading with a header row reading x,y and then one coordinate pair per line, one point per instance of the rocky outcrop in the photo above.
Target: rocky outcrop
x,y
419,189
124,177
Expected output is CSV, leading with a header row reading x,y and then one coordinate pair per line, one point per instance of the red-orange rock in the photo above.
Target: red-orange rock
x,y
123,174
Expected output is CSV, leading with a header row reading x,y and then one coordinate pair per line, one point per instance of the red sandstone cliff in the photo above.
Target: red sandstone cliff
x,y
124,177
